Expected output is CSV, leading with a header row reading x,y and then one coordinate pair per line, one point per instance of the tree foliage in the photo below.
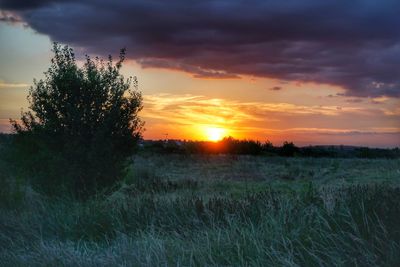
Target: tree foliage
x,y
83,123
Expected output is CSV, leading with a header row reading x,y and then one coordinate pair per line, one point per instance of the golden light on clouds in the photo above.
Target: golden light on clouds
x,y
12,85
196,117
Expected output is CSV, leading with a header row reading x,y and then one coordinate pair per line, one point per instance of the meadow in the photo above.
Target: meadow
x,y
212,210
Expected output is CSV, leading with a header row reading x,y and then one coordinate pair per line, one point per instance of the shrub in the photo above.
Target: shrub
x,y
82,125
288,149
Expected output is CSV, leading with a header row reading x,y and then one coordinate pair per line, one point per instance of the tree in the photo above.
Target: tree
x,y
82,125
288,149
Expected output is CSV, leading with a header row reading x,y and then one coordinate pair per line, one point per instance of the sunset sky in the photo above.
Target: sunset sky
x,y
311,71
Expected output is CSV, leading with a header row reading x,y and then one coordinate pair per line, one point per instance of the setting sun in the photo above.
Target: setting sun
x,y
215,133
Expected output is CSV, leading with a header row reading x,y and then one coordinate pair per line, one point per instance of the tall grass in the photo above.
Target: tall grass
x,y
335,226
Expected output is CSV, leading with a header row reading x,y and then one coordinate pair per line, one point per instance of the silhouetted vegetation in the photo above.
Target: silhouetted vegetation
x,y
81,127
233,146
288,149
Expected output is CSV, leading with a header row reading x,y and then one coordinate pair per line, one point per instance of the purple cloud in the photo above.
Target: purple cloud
x,y
353,44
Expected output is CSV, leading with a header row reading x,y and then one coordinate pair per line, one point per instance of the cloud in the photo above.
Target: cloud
x,y
26,4
355,45
274,121
10,17
354,100
5,126
379,100
344,132
12,85
197,71
392,112
190,109
276,88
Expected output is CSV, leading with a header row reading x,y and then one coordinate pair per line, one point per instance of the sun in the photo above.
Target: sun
x,y
214,133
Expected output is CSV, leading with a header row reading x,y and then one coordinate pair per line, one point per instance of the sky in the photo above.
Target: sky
x,y
312,72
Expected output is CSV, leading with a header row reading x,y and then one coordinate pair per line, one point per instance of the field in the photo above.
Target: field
x,y
175,210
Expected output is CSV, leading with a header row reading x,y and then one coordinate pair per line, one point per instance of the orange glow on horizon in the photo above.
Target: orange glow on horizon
x,y
214,133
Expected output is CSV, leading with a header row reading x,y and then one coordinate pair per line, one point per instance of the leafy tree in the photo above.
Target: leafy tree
x,y
288,149
82,125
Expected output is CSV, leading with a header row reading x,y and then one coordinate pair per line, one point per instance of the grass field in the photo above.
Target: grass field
x,y
176,210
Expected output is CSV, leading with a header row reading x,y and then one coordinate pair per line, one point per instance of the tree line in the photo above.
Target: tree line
x,y
233,146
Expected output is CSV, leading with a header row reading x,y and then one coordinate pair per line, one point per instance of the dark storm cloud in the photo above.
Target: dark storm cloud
x,y
353,44
26,4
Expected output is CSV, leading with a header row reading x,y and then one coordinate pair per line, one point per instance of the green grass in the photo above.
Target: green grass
x,y
213,211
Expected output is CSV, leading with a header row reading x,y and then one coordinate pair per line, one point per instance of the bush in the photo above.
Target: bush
x,y
82,125
288,149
